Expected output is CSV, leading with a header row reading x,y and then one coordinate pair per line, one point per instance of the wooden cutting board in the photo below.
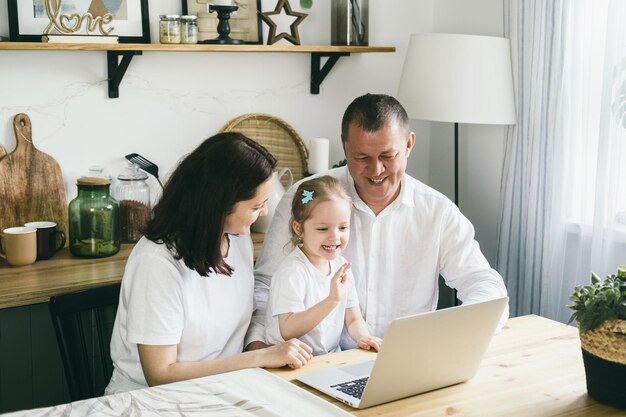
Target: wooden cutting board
x,y
31,184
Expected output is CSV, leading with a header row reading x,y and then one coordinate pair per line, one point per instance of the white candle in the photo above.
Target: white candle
x,y
223,2
318,155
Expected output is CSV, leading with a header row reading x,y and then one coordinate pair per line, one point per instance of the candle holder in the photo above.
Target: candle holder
x,y
223,26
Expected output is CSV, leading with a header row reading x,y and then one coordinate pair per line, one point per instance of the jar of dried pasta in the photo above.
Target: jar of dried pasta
x,y
169,28
189,29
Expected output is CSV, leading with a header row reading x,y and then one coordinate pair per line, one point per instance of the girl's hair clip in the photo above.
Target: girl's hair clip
x,y
307,196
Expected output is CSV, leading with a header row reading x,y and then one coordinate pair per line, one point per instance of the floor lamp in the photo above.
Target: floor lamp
x,y
460,79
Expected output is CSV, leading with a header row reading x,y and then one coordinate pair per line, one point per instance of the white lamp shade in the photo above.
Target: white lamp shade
x,y
458,78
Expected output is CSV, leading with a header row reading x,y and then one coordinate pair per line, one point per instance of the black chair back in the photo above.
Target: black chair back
x,y
83,323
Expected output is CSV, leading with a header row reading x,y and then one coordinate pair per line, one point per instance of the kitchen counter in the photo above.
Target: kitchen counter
x,y
63,273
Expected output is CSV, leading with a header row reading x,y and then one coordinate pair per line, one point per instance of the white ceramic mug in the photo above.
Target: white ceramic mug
x,y
18,245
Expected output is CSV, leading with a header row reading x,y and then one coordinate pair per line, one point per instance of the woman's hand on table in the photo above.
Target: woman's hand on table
x,y
292,353
370,342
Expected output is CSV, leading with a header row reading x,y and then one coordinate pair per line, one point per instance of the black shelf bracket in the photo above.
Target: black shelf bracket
x,y
116,69
319,72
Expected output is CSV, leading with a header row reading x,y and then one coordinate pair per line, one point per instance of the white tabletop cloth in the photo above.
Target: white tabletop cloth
x,y
249,392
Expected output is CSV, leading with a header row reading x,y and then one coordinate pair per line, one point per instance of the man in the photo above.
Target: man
x,y
403,234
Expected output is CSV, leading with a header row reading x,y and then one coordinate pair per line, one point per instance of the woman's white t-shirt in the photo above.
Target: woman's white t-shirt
x,y
162,302
297,286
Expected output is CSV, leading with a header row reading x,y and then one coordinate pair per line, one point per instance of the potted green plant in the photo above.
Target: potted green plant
x,y
600,310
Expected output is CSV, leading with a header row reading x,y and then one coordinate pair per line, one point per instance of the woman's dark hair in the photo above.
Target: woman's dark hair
x,y
190,215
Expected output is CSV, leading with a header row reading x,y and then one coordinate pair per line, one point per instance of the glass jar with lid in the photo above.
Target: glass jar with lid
x,y
189,29
169,28
133,194
94,220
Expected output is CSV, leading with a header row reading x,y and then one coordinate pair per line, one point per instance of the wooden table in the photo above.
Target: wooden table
x,y
532,368
65,273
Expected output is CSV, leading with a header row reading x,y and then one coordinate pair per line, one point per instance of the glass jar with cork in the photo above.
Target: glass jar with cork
x,y
94,220
133,194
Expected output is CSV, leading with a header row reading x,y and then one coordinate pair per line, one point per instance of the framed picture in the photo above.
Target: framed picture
x,y
245,23
28,19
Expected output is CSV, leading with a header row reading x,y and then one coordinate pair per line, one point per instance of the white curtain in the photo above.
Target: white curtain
x,y
564,179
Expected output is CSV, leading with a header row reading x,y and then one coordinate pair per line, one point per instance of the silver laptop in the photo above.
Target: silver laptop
x,y
420,353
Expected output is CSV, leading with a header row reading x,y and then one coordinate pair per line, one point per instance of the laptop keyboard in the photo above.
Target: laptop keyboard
x,y
352,388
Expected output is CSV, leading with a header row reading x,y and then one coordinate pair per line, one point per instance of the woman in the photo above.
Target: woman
x,y
187,291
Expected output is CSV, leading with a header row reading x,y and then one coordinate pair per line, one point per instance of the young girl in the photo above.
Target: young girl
x,y
312,294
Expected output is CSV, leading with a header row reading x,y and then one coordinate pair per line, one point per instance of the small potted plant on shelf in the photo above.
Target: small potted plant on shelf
x,y
600,310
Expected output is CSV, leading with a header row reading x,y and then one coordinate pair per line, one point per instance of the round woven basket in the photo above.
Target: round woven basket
x,y
604,357
278,137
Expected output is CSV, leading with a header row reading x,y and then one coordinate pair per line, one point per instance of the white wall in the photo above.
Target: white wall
x,y
170,102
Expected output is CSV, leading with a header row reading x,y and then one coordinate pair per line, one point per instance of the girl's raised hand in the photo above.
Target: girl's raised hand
x,y
338,282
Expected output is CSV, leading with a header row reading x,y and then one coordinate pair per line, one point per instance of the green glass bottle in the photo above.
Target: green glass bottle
x,y
94,220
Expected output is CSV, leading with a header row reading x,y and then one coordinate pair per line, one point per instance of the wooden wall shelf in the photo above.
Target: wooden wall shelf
x,y
126,51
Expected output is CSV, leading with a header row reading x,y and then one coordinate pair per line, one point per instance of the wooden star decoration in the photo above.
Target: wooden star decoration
x,y
294,36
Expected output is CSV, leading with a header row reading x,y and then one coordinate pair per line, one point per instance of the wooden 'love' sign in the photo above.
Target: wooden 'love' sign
x,y
31,184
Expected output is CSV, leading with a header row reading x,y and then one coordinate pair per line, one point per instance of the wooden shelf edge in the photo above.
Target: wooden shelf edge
x,y
26,46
